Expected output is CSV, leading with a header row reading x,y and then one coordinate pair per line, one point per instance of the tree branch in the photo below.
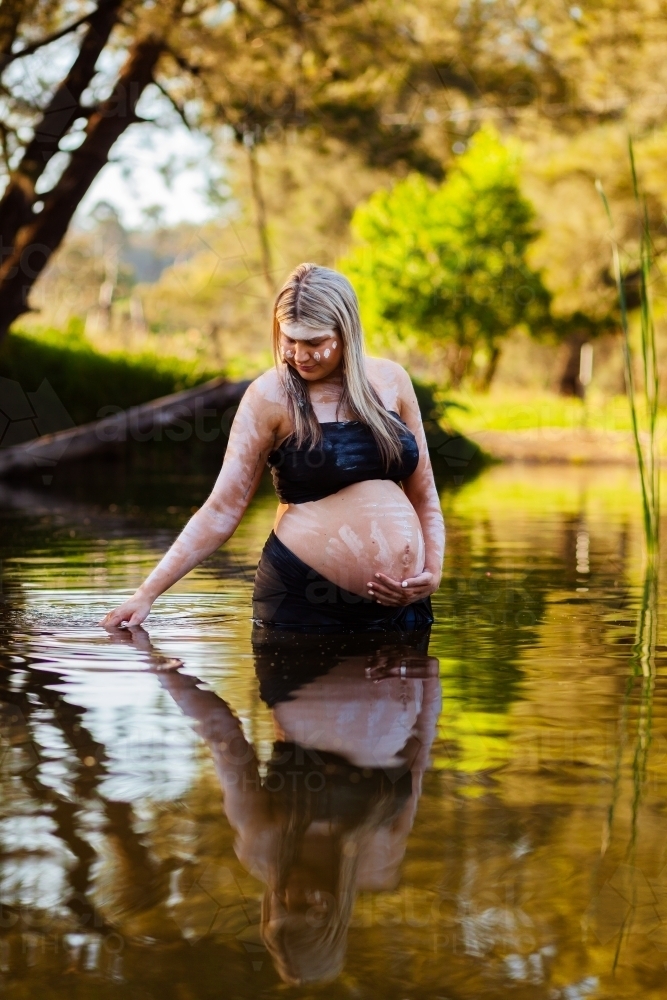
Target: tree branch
x,y
5,148
12,12
33,47
174,103
260,213
36,240
198,73
55,122
183,62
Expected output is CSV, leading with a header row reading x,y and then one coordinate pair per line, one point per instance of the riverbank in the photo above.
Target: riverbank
x,y
465,430
558,446
543,428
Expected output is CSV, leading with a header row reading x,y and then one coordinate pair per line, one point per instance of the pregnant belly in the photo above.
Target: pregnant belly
x,y
364,529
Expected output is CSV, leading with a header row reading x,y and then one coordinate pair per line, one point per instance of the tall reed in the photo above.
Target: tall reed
x,y
648,461
647,450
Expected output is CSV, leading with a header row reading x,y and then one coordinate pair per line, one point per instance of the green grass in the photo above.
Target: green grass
x,y
86,380
522,410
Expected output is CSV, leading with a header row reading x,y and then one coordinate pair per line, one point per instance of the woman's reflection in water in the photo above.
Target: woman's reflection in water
x,y
354,717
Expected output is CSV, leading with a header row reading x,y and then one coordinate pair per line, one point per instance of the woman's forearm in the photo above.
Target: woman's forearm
x,y
433,529
251,439
214,718
234,758
432,524
205,532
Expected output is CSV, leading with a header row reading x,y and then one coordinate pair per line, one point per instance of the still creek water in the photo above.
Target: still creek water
x,y
490,825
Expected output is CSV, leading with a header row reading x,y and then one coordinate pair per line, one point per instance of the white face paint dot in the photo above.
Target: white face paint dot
x,y
316,355
327,353
334,345
289,354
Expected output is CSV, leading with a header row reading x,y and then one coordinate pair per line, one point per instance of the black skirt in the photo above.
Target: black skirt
x,y
288,658
290,594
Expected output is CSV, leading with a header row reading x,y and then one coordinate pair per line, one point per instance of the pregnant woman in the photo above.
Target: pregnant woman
x,y
358,539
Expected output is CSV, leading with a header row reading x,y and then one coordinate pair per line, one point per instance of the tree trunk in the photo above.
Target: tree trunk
x,y
568,382
457,359
260,212
61,111
491,368
36,241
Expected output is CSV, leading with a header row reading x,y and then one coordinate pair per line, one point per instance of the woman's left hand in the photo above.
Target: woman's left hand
x,y
392,592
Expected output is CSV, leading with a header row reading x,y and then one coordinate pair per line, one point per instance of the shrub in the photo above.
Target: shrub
x,y
85,379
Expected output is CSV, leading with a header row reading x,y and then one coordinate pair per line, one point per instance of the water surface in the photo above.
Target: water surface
x,y
503,804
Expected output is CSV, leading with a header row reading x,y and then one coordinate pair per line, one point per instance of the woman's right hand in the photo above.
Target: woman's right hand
x,y
132,612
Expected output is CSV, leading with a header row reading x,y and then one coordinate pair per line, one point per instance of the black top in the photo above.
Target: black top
x,y
347,453
322,785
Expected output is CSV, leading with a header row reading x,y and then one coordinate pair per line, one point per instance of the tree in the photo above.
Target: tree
x,y
32,225
446,266
250,68
399,82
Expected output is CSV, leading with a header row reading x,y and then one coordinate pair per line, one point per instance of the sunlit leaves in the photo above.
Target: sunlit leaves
x,y
448,263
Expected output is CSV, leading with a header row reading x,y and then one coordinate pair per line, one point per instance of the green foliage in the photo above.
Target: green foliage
x,y
447,264
454,456
86,380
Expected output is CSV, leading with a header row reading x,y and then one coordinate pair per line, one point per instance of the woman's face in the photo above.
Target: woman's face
x,y
315,354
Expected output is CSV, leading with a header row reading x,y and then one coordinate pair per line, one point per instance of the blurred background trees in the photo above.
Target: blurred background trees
x,y
444,268
443,153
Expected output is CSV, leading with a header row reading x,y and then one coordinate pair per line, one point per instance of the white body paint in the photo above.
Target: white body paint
x,y
370,527
342,711
341,538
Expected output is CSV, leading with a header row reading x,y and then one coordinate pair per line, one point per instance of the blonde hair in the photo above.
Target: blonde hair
x,y
305,952
320,298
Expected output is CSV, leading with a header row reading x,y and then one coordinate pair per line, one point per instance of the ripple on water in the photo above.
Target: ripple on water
x,y
60,628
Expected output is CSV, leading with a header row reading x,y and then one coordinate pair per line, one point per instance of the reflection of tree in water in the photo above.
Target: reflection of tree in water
x,y
51,773
322,815
633,898
491,612
27,713
26,710
58,912
487,614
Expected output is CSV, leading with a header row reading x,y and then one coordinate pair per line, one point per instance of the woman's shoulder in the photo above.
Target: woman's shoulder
x,y
264,405
388,373
268,388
